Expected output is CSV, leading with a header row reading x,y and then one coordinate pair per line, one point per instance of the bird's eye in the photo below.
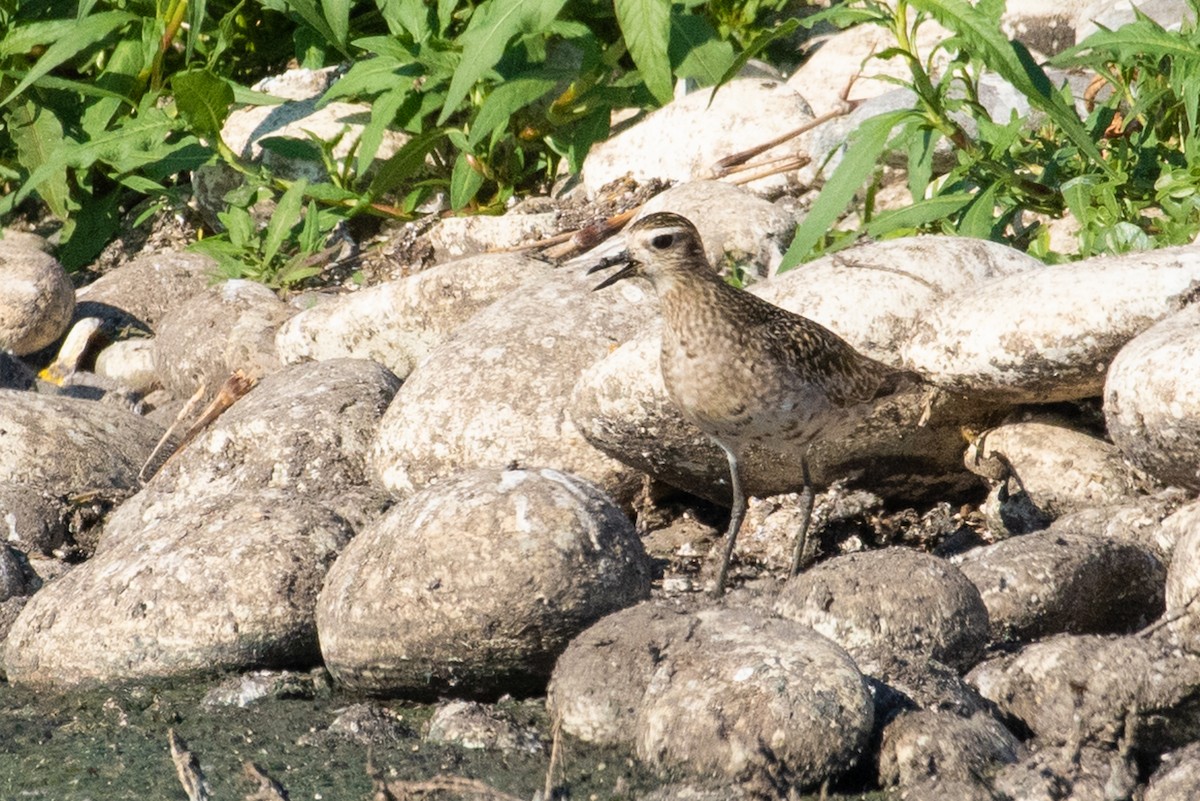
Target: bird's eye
x,y
663,241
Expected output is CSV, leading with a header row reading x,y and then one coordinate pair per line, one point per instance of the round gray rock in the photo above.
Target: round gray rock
x,y
991,342
142,291
1061,470
229,584
1152,399
1056,581
397,323
760,701
895,599
66,446
1177,776
228,327
495,392
922,745
31,517
601,678
1086,688
476,584
36,299
306,429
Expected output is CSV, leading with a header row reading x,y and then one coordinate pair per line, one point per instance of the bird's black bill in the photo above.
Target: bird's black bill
x,y
612,261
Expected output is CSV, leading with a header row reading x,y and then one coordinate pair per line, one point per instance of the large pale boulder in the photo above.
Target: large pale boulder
x,y
476,584
1152,399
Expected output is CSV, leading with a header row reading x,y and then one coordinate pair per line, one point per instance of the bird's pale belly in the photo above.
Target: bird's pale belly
x,y
734,406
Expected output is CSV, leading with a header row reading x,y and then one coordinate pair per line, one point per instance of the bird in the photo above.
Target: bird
x,y
742,370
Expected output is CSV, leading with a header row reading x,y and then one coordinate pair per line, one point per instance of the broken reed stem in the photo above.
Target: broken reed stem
x,y
237,385
555,756
268,788
187,768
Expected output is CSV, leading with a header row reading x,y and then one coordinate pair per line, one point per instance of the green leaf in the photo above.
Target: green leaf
x,y
404,163
286,215
337,16
492,27
38,136
203,100
1013,62
697,51
122,77
979,219
383,114
75,41
646,26
89,230
465,182
859,161
918,214
505,100
756,46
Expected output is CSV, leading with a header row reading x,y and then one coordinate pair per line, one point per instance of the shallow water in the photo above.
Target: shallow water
x,y
111,745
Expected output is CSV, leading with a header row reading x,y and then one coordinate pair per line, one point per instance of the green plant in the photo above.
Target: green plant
x,y
106,103
1126,186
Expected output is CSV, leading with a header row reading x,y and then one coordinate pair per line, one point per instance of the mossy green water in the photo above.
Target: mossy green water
x,y
112,745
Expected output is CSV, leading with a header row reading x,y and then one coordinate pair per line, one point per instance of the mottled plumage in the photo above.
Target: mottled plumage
x,y
741,369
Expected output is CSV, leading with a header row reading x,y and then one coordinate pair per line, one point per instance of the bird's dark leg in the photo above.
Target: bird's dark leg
x,y
735,520
800,557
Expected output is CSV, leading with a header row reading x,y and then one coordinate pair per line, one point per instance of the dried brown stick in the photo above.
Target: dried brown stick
x,y
187,768
268,788
237,385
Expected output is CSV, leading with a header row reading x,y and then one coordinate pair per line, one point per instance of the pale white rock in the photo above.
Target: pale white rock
x,y
1058,469
875,294
130,363
1087,688
227,584
741,229
230,326
854,53
1055,581
600,679
37,298
1112,14
993,342
755,699
685,139
1152,399
476,584
305,430
495,392
892,600
397,323
1155,522
460,237
141,291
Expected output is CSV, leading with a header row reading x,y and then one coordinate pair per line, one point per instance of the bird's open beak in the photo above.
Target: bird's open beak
x,y
623,257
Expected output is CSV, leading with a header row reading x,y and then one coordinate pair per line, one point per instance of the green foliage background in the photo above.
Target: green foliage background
x,y
108,106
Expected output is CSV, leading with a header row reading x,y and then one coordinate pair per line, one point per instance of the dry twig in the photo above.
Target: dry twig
x,y
187,768
237,385
268,788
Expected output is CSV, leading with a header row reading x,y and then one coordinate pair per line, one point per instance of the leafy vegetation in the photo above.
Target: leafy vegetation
x,y
1129,174
108,103
111,105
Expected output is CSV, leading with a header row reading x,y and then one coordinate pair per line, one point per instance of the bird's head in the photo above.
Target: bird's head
x,y
656,246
